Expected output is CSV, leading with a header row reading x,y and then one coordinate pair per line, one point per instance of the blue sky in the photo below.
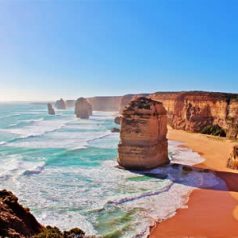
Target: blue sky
x,y
52,49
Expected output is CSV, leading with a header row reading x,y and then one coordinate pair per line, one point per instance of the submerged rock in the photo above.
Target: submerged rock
x,y
60,104
51,110
114,129
143,143
232,162
83,108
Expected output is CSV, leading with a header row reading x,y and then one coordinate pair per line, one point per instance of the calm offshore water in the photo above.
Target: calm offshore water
x,y
64,170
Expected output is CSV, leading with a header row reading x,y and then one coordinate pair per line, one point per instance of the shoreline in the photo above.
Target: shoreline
x,y
209,213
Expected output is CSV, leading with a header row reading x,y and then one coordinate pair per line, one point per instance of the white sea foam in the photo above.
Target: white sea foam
x,y
182,155
90,197
37,128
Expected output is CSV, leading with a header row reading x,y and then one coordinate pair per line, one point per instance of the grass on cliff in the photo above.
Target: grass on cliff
x,y
214,130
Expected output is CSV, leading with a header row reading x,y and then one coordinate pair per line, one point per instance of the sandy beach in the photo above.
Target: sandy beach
x,y
210,213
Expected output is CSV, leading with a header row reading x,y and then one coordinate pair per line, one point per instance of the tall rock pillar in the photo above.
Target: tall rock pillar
x,y
143,143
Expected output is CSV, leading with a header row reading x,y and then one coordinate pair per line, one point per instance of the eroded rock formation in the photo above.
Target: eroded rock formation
x,y
83,108
143,142
60,104
17,221
197,111
51,110
233,159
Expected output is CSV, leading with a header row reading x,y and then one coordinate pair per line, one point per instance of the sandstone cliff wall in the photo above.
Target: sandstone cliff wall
x,y
105,103
196,111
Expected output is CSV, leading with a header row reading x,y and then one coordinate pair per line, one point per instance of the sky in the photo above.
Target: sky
x,y
67,48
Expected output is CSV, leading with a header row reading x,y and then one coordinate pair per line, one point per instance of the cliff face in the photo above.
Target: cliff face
x,y
17,221
143,143
70,103
199,111
105,103
233,159
83,108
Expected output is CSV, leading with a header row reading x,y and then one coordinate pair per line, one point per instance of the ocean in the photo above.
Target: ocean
x,y
65,170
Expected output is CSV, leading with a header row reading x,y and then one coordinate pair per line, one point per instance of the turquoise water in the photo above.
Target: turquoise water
x,y
64,169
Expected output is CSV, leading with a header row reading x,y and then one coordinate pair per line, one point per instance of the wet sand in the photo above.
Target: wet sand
x,y
210,213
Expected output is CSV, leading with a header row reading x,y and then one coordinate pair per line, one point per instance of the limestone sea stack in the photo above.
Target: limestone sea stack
x,y
60,104
83,108
143,143
51,110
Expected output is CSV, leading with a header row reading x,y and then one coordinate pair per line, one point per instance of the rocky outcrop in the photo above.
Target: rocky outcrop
x,y
233,159
143,143
117,120
51,110
199,111
105,103
60,104
83,108
16,221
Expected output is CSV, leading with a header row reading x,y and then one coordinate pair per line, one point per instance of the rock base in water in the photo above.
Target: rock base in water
x,y
51,110
143,142
83,108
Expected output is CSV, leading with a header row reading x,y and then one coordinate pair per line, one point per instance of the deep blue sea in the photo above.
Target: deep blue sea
x,y
64,170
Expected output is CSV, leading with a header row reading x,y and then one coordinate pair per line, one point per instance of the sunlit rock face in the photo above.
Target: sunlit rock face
x,y
51,110
195,111
233,159
60,104
143,142
83,108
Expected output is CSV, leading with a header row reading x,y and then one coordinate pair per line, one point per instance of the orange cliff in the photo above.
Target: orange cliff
x,y
207,112
143,143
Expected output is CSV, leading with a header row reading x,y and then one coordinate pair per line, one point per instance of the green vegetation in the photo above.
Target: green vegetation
x,y
54,232
214,130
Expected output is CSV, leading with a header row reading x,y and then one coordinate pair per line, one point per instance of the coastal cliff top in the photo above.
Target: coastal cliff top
x,y
144,105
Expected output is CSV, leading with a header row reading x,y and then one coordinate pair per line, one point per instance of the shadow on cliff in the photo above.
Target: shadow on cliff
x,y
176,173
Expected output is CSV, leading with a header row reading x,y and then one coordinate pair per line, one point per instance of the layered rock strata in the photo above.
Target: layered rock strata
x,y
60,104
51,110
197,111
233,159
83,108
143,142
